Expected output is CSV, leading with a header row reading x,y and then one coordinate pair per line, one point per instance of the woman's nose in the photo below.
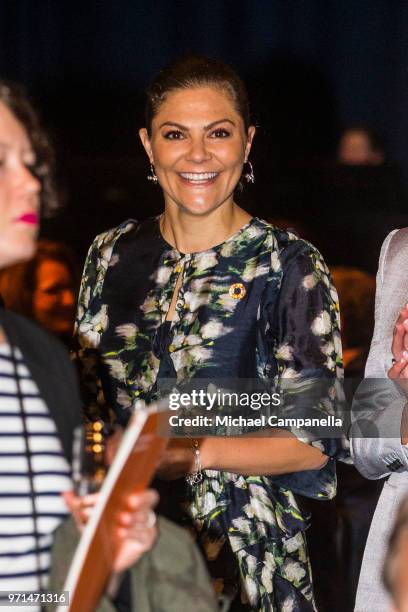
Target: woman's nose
x,y
68,298
198,151
28,180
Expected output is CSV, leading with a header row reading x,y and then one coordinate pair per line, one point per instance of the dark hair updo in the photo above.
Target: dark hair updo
x,y
14,97
196,71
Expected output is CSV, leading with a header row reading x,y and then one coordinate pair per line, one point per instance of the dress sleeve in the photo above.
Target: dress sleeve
x,y
307,346
91,321
308,322
305,326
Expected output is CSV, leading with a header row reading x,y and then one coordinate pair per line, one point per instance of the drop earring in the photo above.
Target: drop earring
x,y
152,175
249,176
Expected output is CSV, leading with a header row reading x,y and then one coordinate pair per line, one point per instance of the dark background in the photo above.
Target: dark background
x,y
312,67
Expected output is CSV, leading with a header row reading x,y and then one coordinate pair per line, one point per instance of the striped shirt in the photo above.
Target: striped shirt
x,y
25,542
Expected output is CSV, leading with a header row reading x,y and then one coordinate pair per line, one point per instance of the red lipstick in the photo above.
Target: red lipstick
x,y
30,218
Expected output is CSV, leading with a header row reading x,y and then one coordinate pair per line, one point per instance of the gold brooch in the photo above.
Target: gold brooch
x,y
237,291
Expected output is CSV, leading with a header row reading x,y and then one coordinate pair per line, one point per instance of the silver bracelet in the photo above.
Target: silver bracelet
x,y
197,476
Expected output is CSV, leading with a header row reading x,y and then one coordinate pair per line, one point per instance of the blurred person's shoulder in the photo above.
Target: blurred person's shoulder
x,y
19,329
394,250
397,239
40,349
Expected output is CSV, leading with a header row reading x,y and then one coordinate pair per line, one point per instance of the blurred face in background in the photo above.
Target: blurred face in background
x,y
19,192
54,297
355,149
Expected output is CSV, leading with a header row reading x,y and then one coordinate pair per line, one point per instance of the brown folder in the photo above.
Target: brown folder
x,y
132,469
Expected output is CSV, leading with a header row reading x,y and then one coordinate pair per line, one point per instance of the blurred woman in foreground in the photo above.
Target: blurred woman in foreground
x,y
39,403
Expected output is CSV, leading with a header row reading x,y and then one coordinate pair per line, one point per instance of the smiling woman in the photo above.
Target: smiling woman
x,y
197,146
206,291
31,366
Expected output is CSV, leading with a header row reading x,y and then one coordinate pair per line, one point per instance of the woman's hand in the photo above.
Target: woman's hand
x,y
177,460
80,507
399,348
399,369
135,530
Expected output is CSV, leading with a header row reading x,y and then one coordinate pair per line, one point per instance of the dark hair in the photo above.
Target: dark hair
x,y
18,282
14,97
196,71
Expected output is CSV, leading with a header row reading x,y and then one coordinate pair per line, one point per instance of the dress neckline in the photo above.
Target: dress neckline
x,y
216,247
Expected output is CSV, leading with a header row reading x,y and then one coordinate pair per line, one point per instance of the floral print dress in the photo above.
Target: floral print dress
x,y
284,324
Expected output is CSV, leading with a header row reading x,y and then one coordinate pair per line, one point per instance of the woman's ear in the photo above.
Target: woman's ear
x,y
250,138
144,137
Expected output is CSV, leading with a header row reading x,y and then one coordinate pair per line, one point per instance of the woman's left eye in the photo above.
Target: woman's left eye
x,y
219,133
